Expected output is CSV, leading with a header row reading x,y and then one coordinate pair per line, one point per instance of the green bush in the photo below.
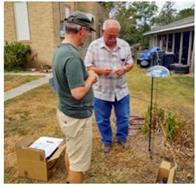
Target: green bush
x,y
15,54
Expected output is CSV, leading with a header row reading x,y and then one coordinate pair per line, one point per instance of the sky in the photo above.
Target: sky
x,y
179,5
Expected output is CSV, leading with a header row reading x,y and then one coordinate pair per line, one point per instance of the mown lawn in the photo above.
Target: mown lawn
x,y
174,93
13,81
34,113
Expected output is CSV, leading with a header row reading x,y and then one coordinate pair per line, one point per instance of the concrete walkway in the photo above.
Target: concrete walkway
x,y
26,87
26,73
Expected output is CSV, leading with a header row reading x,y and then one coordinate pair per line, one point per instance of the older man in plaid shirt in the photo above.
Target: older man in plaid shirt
x,y
110,57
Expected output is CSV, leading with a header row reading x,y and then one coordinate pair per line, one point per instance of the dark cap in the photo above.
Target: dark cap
x,y
80,18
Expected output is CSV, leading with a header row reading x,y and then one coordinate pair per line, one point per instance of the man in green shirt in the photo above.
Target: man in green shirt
x,y
74,88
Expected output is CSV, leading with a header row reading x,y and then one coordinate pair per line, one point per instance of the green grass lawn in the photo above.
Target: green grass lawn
x,y
174,93
34,114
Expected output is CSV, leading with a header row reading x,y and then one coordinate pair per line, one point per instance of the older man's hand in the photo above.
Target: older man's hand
x,y
106,71
120,71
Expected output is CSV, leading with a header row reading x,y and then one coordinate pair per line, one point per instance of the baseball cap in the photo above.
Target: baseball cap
x,y
80,18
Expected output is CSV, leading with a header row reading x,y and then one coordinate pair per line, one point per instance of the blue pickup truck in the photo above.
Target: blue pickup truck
x,y
155,56
144,57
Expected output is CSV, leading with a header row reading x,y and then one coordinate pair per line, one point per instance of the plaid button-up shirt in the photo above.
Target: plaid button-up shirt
x,y
99,55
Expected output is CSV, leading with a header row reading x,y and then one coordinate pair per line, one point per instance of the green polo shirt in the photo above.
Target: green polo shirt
x,y
69,72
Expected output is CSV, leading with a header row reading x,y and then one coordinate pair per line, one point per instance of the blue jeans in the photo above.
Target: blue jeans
x,y
102,113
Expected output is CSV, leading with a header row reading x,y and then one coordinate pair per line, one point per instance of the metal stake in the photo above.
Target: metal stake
x,y
151,109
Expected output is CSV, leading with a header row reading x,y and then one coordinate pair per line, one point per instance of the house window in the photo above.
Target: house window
x,y
67,12
21,21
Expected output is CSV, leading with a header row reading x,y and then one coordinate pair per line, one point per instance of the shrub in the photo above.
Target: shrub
x,y
15,54
158,117
145,127
171,126
168,122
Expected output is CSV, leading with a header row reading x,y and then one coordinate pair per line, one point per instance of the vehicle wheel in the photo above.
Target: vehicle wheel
x,y
172,66
144,64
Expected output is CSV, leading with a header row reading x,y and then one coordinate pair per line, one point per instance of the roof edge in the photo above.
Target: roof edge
x,y
169,29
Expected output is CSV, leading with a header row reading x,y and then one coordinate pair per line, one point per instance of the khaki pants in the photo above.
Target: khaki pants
x,y
78,133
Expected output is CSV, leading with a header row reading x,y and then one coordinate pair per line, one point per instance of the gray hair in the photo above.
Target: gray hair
x,y
72,27
107,24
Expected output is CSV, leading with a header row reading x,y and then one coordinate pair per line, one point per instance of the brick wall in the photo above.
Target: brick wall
x,y
9,23
40,16
44,19
41,30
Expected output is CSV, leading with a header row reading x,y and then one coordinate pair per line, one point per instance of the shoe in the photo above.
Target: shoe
x,y
124,144
106,148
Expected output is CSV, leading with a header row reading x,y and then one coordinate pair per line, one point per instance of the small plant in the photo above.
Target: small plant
x,y
171,126
145,127
168,122
15,55
158,117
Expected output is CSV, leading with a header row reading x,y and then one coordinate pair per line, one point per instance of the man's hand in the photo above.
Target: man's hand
x,y
101,71
120,71
106,71
93,76
79,92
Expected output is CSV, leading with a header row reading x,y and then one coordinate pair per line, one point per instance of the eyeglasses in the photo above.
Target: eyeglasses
x,y
111,34
87,29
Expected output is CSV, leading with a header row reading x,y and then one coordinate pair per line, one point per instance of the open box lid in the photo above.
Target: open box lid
x,y
49,144
172,174
24,152
166,171
30,154
58,152
25,142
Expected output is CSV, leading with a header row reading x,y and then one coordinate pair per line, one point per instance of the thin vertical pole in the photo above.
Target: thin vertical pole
x,y
151,108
